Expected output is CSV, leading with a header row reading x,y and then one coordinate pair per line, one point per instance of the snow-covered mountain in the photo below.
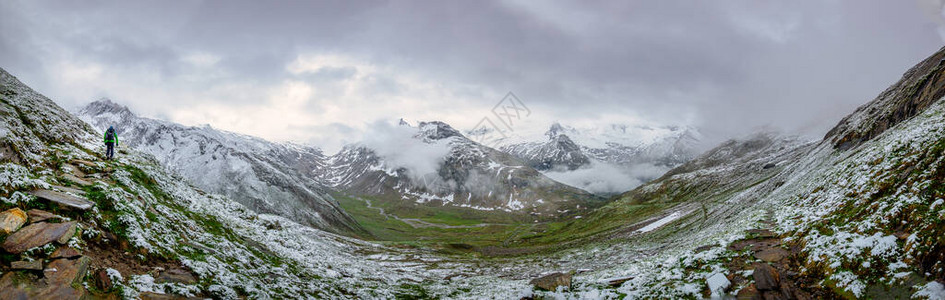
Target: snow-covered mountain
x,y
604,159
268,177
435,164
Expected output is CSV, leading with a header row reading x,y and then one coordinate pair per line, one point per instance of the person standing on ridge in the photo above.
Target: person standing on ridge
x,y
111,140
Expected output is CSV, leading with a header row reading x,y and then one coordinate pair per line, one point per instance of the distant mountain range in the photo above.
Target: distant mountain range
x,y
607,159
465,174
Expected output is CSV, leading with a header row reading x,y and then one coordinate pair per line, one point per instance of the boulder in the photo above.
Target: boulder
x,y
27,265
38,234
65,252
41,215
717,284
63,199
771,255
11,220
176,276
552,281
766,277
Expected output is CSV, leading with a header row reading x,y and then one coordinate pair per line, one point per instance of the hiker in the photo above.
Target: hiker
x,y
111,139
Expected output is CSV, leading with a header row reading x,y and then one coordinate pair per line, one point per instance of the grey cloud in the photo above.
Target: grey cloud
x,y
733,65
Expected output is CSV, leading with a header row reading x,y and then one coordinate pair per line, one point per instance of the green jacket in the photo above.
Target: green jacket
x,y
114,140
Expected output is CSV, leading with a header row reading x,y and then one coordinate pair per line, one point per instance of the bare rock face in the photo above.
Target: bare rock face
x,y
64,200
11,220
39,234
552,281
918,89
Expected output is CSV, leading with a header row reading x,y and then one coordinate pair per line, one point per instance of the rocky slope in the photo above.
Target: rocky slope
x,y
464,175
267,177
856,215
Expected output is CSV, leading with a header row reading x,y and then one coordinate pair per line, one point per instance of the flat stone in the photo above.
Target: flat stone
x,y
76,180
37,215
67,271
552,281
11,220
85,163
69,190
27,265
65,252
38,234
63,199
57,283
766,277
74,170
176,276
771,255
617,282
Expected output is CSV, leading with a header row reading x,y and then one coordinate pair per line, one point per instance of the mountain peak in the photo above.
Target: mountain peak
x,y
105,105
403,122
436,130
555,130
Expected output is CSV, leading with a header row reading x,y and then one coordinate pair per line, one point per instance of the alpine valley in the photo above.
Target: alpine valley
x,y
613,211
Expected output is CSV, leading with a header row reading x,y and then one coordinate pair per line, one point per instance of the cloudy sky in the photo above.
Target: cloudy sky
x,y
322,71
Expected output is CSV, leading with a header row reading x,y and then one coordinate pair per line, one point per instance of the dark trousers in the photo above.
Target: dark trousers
x,y
109,150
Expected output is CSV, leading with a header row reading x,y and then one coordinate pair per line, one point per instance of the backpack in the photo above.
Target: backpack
x,y
110,135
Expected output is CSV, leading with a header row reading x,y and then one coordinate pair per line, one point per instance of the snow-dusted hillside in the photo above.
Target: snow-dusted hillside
x,y
604,159
435,164
275,178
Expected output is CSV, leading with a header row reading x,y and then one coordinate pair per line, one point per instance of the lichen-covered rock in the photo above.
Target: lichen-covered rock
x,y
39,234
11,220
